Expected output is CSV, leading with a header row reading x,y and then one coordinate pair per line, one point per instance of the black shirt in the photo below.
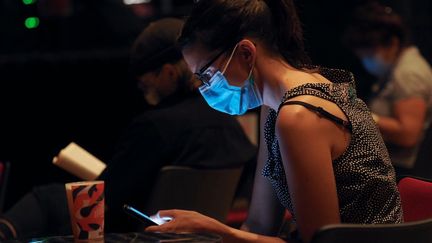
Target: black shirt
x,y
180,131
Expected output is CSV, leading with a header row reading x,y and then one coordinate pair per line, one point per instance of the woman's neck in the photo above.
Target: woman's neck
x,y
278,77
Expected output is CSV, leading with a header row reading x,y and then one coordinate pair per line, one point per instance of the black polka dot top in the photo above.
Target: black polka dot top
x,y
365,178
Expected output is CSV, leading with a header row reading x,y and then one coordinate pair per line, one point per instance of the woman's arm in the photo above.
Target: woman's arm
x,y
307,144
405,127
265,211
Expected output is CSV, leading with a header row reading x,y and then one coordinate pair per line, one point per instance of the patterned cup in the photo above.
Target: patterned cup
x,y
86,209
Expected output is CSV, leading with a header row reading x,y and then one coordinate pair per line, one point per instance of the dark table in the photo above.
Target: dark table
x,y
143,237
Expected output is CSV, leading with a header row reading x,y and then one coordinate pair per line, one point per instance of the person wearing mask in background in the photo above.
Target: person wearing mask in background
x,y
401,99
179,130
326,160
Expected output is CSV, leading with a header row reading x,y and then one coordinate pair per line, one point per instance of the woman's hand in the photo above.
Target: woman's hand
x,y
188,221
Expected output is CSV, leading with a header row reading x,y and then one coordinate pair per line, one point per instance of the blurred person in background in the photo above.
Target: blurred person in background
x,y
180,129
401,99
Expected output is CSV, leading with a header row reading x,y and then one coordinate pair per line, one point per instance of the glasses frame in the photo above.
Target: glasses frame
x,y
200,74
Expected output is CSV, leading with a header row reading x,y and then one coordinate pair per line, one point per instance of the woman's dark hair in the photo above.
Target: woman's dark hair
x,y
374,25
220,24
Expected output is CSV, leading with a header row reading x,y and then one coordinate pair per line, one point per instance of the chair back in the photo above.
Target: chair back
x,y
4,174
416,197
208,191
418,231
423,164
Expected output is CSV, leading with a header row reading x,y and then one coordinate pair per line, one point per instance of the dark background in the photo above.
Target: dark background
x,y
66,80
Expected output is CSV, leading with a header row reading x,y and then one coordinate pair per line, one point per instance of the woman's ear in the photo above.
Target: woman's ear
x,y
395,42
247,51
390,51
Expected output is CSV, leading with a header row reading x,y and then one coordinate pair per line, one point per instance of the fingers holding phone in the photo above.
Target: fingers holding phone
x,y
147,220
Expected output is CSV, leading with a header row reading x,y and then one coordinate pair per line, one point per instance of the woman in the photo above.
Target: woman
x,y
402,94
326,160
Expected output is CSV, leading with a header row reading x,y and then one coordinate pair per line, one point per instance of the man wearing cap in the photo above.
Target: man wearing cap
x,y
180,129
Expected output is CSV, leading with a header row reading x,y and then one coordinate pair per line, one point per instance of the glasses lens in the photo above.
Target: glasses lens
x,y
200,77
206,76
207,72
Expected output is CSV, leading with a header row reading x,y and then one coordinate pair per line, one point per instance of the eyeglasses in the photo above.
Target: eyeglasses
x,y
203,76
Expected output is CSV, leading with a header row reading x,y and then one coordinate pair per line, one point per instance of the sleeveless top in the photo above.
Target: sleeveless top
x,y
365,178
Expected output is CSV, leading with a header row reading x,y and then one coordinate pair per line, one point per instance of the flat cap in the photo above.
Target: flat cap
x,y
156,45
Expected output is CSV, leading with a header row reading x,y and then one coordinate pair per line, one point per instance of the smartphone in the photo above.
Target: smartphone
x,y
139,215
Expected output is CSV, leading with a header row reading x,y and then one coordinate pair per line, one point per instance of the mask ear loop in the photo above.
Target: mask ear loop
x,y
250,72
229,59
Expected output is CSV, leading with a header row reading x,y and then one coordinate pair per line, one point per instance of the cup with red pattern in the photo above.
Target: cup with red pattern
x,y
86,209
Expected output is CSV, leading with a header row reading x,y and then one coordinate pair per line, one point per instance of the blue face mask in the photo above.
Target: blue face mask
x,y
234,100
376,66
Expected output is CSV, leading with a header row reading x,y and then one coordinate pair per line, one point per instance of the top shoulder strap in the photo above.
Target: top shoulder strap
x,y
320,111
